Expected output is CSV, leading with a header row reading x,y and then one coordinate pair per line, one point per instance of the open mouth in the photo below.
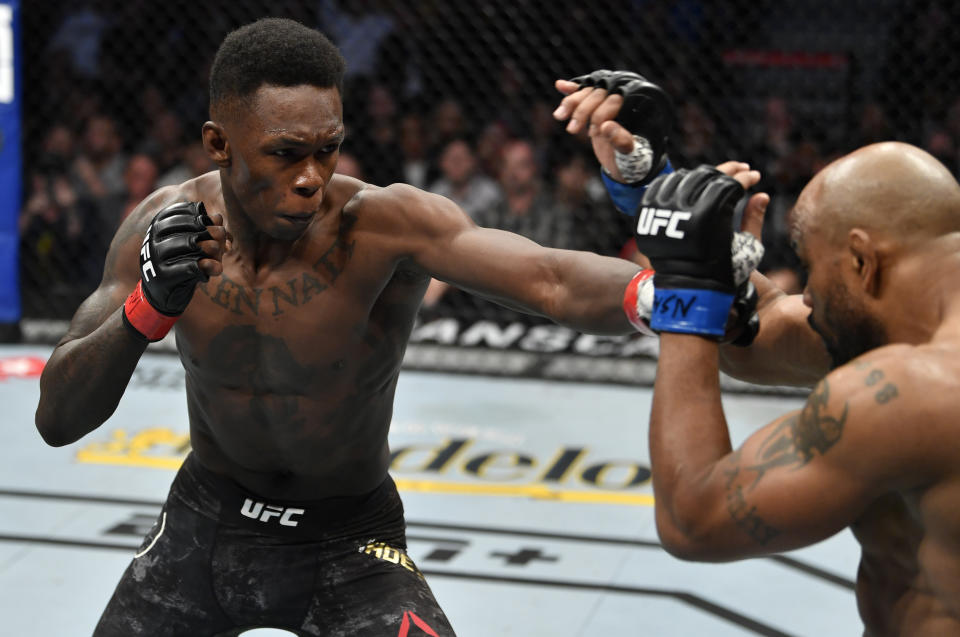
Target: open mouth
x,y
299,219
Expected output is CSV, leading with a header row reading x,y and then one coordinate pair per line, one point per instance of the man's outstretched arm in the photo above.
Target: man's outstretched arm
x,y
581,290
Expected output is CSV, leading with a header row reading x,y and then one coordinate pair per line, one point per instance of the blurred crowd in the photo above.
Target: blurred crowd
x,y
107,126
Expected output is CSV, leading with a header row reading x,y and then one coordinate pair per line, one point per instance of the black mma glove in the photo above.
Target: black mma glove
x,y
169,269
648,114
685,228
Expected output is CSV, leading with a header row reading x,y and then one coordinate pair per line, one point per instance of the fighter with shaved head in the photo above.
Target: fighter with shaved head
x,y
875,446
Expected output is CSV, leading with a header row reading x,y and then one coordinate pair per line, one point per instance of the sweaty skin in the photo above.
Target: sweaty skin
x,y
874,447
293,347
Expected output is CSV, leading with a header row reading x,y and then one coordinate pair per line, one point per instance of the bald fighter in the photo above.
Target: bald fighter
x,y
879,234
292,292
874,447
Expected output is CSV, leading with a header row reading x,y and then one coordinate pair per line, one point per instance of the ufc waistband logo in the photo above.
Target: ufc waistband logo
x,y
652,219
263,512
147,267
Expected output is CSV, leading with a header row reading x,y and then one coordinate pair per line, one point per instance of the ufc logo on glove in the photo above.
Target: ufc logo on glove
x,y
147,264
703,268
653,219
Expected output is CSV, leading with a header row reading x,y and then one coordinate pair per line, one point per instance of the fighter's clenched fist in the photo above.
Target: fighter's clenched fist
x,y
182,246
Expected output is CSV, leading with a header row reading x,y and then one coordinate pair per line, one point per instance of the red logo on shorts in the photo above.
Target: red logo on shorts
x,y
21,367
409,615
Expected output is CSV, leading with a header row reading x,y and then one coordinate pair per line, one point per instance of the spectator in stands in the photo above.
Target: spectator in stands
x,y
357,27
139,180
56,259
461,182
348,165
80,35
527,207
99,166
577,195
772,139
375,140
194,162
493,137
698,137
165,141
414,150
57,151
447,122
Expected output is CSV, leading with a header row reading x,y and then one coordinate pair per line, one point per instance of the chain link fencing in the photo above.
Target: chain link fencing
x,y
456,98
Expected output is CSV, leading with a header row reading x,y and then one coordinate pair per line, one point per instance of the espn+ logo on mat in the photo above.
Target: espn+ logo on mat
x,y
652,220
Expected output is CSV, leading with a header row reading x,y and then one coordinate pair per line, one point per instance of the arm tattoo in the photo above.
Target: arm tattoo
x,y
792,443
873,377
887,393
796,440
746,517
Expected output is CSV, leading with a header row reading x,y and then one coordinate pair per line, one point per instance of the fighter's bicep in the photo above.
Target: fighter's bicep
x,y
779,492
810,473
496,264
446,243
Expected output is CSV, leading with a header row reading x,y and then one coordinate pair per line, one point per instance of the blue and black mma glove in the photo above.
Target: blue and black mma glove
x,y
685,228
648,114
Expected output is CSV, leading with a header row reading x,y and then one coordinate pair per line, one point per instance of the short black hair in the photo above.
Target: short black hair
x,y
274,51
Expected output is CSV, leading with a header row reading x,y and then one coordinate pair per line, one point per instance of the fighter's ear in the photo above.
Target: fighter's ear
x,y
864,259
216,144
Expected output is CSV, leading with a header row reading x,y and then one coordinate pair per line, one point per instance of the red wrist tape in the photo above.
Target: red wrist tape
x,y
630,297
143,318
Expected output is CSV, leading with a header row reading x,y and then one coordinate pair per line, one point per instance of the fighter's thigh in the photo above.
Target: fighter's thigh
x,y
374,591
166,588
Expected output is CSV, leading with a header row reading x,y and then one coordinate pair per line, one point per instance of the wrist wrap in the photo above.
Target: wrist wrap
x,y
143,319
627,197
634,306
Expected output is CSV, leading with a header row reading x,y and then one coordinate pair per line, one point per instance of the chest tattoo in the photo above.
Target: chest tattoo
x,y
297,291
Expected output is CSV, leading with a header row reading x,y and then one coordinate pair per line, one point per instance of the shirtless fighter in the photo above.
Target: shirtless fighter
x,y
874,447
293,292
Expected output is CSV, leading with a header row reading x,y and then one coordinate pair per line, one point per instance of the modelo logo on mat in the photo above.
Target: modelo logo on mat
x,y
459,456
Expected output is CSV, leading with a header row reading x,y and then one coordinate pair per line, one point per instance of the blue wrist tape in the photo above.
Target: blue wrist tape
x,y
627,197
690,311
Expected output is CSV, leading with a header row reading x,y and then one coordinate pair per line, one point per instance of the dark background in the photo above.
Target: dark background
x,y
115,95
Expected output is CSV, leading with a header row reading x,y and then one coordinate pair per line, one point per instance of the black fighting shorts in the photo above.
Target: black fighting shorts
x,y
220,560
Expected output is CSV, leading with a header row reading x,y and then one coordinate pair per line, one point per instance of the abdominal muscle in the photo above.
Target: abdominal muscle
x,y
292,447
